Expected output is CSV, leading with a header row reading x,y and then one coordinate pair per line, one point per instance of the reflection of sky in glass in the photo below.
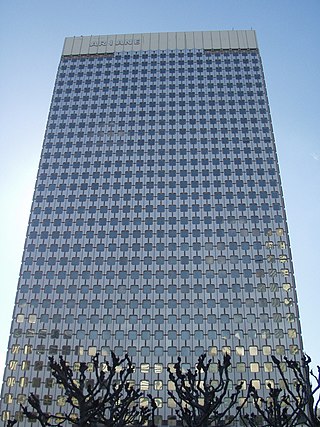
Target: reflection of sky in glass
x,y
157,223
36,43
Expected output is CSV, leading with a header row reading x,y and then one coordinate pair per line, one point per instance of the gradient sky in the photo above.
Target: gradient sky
x,y
31,39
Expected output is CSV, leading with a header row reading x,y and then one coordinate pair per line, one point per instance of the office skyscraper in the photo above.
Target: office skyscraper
x,y
157,226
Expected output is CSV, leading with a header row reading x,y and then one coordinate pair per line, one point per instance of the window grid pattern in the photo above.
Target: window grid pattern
x,y
157,226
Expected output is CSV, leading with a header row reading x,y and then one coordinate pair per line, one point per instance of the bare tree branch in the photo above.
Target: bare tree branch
x,y
110,401
199,402
293,405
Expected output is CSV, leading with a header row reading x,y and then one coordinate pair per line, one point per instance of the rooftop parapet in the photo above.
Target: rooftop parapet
x,y
215,40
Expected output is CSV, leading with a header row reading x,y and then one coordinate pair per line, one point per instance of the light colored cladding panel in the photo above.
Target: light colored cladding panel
x,y
102,44
216,43
181,43
93,45
154,41
163,41
125,45
172,41
67,47
114,39
207,42
233,37
128,41
242,39
146,41
189,41
136,42
85,45
224,35
198,42
251,37
77,46
110,44
118,43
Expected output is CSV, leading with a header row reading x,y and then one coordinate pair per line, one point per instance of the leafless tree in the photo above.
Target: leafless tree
x,y
108,400
297,402
201,403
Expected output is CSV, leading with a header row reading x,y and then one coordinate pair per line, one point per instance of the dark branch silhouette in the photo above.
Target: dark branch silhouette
x,y
203,399
294,404
110,400
200,403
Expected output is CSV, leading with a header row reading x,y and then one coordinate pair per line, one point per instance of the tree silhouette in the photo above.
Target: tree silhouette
x,y
199,402
108,400
294,404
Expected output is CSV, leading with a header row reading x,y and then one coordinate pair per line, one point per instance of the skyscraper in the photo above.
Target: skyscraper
x,y
157,225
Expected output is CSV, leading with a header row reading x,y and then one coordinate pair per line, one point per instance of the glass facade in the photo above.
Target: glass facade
x,y
157,225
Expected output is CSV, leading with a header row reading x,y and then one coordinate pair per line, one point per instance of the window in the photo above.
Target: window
x,y
254,367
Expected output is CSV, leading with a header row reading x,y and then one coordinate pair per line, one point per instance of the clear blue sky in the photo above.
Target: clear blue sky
x,y
31,36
